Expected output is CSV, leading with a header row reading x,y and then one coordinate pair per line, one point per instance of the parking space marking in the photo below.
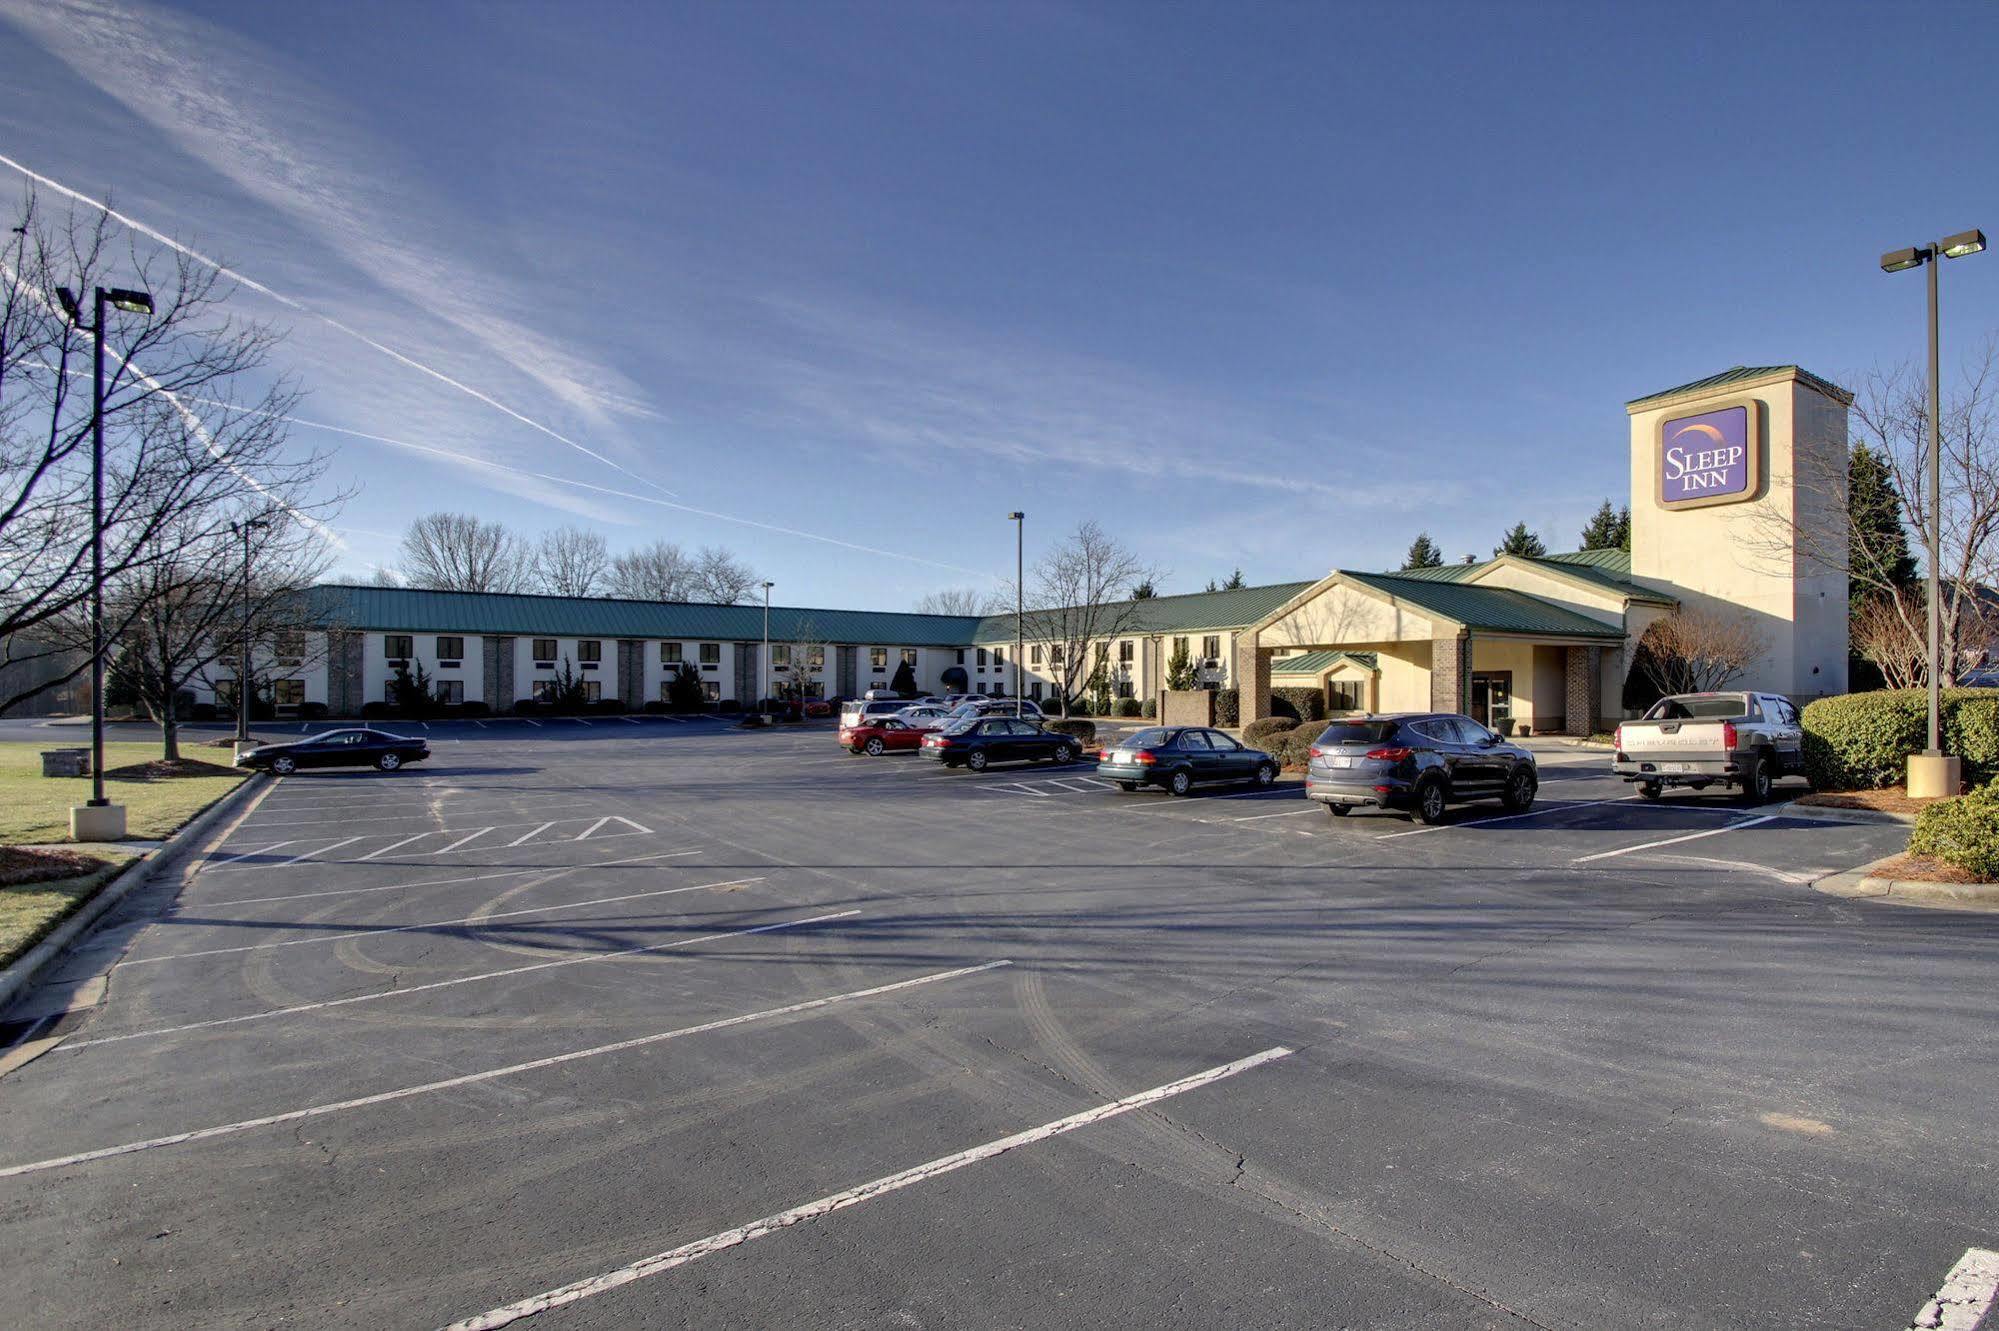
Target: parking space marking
x,y
1966,1296
261,850
430,924
441,882
401,817
463,979
393,845
1259,817
490,1074
298,859
528,836
1674,841
1509,817
881,1187
464,840
588,830
531,721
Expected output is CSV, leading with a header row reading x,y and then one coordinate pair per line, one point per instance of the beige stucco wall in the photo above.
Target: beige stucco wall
x,y
1405,675
1342,617
1533,702
1606,607
1743,557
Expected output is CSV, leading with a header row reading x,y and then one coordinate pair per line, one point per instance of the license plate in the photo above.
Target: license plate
x,y
1339,760
1676,767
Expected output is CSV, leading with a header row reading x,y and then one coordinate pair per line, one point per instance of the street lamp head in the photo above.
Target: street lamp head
x,y
132,302
1015,517
1896,261
67,299
1963,243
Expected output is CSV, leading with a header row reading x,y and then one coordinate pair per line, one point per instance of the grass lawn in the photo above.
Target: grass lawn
x,y
35,808
32,909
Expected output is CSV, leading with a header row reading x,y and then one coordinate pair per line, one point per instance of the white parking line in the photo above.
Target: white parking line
x,y
628,720
1674,841
554,870
472,1078
1966,1295
771,1224
261,850
393,845
1259,817
464,840
531,721
1507,818
529,836
296,859
464,979
588,830
406,928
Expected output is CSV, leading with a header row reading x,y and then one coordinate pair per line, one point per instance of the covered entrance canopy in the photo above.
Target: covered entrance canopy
x,y
1537,643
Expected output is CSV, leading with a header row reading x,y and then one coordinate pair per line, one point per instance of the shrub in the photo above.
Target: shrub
x,y
654,707
1265,731
1085,731
1859,741
1228,708
1149,708
474,708
374,711
203,711
1962,832
1128,707
609,706
1281,709
728,707
527,707
312,711
1305,704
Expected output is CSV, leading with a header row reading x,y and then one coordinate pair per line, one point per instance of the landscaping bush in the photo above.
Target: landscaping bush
x,y
609,706
654,707
312,711
375,711
728,707
1862,741
1085,731
1128,707
203,711
527,707
1962,832
1228,708
1294,748
1265,731
1305,704
474,708
1149,708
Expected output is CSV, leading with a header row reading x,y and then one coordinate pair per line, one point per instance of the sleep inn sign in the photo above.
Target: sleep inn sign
x,y
1711,458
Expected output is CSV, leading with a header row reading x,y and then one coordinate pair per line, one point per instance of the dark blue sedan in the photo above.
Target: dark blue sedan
x,y
979,743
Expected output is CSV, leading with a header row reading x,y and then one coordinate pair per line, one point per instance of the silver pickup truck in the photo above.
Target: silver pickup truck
x,y
1746,740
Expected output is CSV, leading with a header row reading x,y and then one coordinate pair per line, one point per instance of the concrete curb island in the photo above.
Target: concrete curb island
x,y
1863,885
21,972
1831,813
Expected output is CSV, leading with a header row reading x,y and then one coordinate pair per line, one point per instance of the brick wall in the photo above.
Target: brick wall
x,y
498,680
344,684
1450,668
1251,675
1187,707
1584,668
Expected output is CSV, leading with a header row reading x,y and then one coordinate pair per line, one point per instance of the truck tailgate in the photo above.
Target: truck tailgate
x,y
1678,740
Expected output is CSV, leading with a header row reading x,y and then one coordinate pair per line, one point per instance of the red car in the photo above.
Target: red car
x,y
878,735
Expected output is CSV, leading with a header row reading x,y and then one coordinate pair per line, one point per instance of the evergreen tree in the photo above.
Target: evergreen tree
x,y
1608,529
1144,591
683,691
1180,667
1423,553
1877,543
1520,541
1235,582
411,693
904,681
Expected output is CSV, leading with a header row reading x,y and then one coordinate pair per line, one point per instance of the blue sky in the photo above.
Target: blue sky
x,y
1262,285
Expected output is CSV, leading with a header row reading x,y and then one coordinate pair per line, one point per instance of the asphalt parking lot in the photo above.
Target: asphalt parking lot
x,y
647,1024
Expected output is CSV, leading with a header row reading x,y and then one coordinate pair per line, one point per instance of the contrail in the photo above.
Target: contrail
x,y
327,319
490,465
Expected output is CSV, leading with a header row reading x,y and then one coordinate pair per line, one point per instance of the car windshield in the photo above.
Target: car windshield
x,y
1357,732
963,727
1147,739
1707,707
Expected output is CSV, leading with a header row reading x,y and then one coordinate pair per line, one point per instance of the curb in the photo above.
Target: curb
x,y
1829,813
1859,884
21,972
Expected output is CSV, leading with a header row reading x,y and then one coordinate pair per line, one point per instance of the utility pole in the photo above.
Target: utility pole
x,y
763,662
1019,521
244,529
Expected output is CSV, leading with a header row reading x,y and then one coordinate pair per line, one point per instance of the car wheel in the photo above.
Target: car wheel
x,y
389,762
1339,810
976,760
1756,782
284,766
1519,795
874,748
1127,786
1430,802
1650,790
1180,782
1265,774
1064,754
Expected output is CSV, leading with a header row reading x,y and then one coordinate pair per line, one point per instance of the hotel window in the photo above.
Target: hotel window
x,y
1034,654
593,689
288,692
1179,645
711,690
815,658
961,656
669,653
909,657
780,655
398,646
450,649
1034,690
982,656
1211,646
1347,695
1124,688
711,655
451,692
1055,654
877,658
999,656
1124,652
590,649
544,651
1103,652
289,647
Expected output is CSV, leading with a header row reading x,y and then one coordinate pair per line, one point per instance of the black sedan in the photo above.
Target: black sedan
x,y
997,739
338,748
1180,758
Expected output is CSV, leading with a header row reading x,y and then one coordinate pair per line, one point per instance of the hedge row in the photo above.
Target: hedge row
x,y
1862,741
1259,732
1962,832
1228,708
1298,704
1085,731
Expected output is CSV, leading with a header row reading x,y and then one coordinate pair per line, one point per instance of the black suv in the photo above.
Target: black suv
x,y
1419,761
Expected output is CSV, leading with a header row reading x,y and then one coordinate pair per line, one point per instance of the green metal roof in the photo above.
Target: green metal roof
x,y
1314,663
1443,572
1741,374
1487,609
1606,576
1614,561
1179,614
407,609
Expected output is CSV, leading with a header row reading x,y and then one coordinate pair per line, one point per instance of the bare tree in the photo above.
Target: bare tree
x,y
1080,596
722,579
1890,416
456,552
962,601
657,572
184,432
1699,650
1893,638
797,662
570,561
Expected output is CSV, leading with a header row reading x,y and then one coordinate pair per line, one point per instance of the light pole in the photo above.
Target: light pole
x,y
243,673
1931,773
1019,521
763,662
109,824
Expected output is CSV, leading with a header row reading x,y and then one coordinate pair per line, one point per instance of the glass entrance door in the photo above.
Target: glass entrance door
x,y
1492,698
